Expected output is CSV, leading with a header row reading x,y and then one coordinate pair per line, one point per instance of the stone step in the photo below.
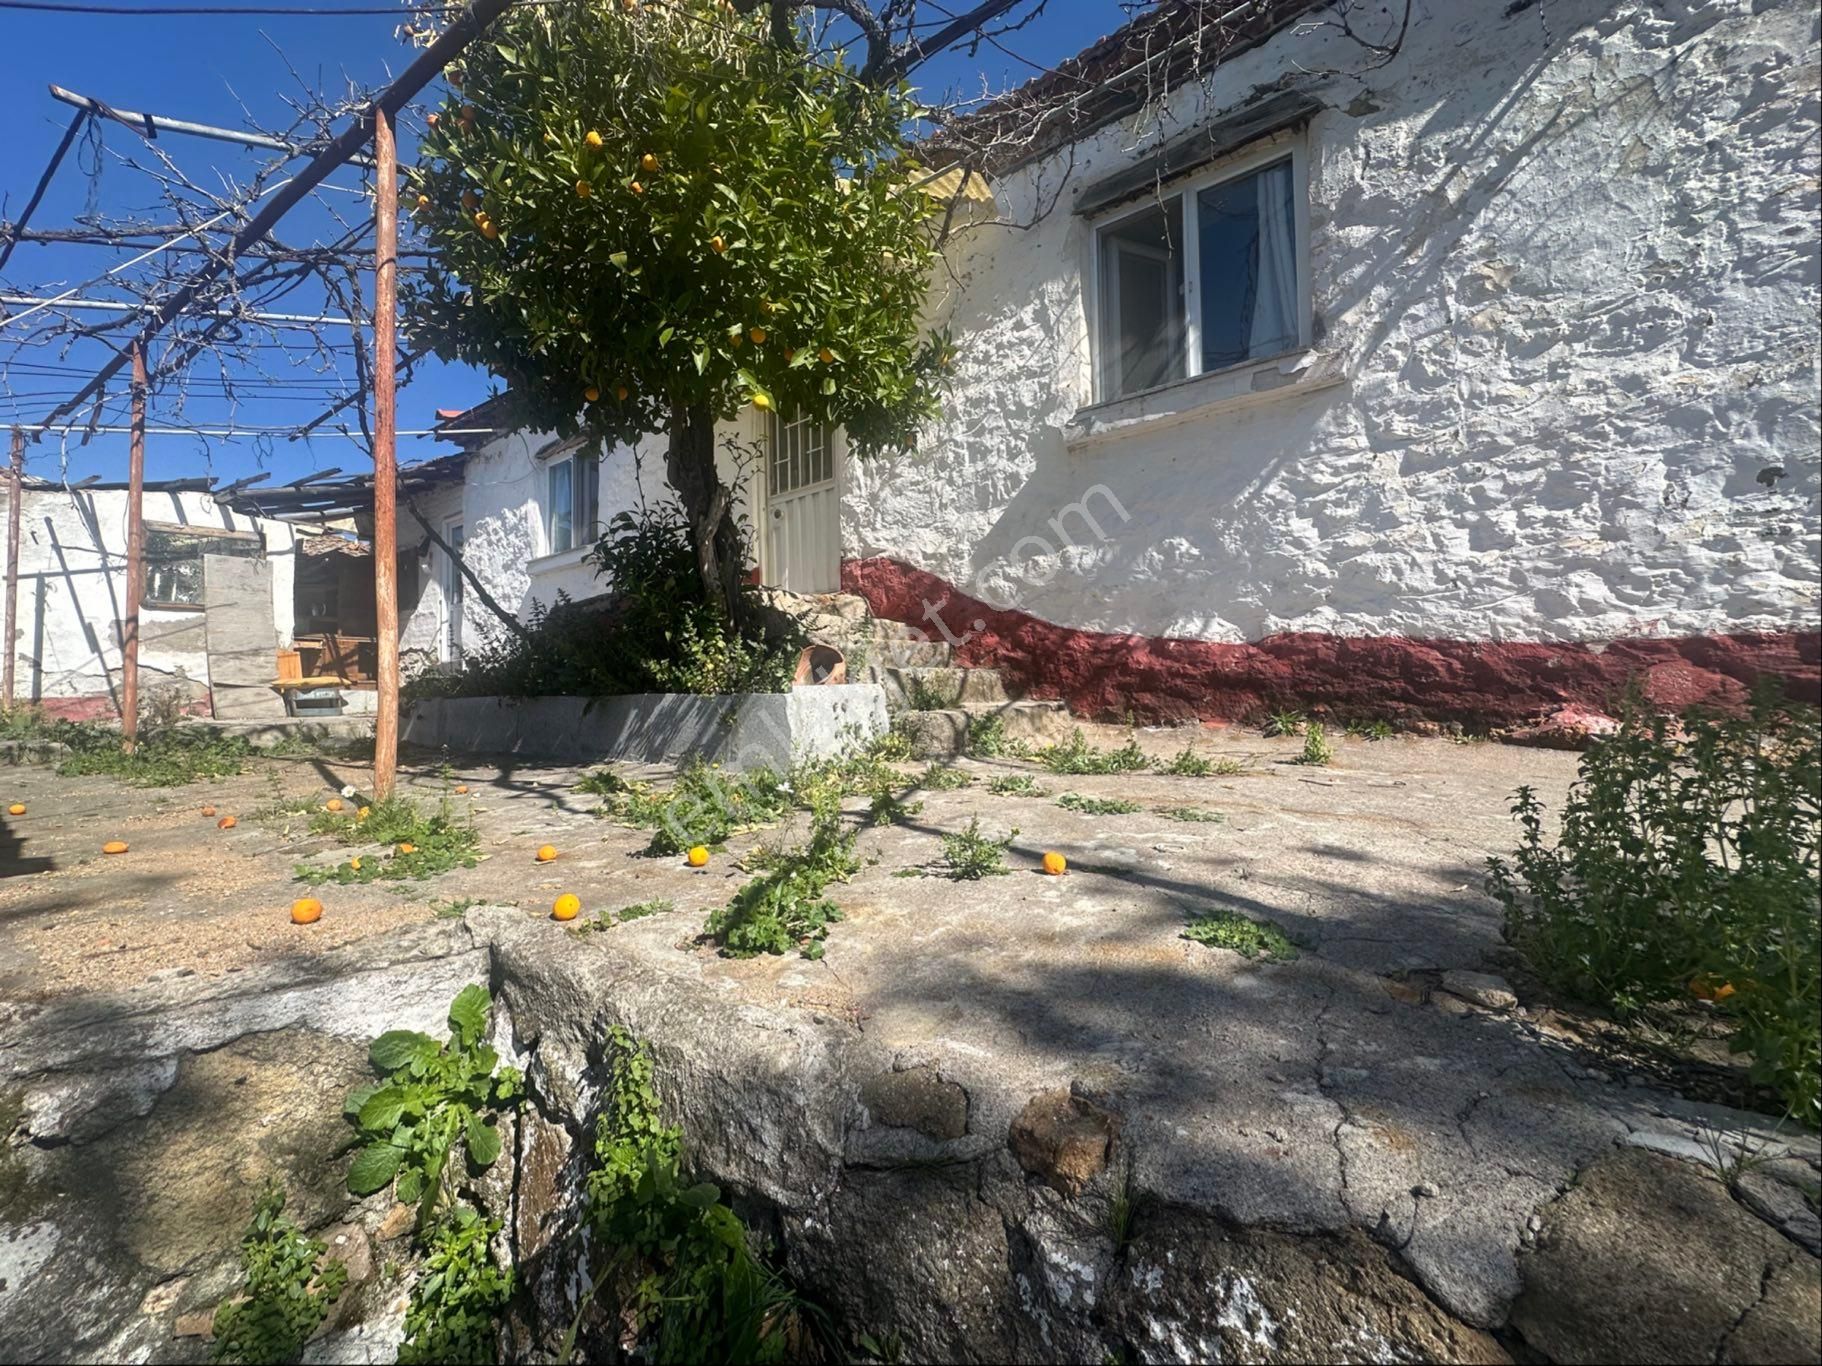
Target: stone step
x,y
941,734
924,688
893,653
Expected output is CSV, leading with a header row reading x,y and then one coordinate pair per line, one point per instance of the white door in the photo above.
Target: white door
x,y
803,510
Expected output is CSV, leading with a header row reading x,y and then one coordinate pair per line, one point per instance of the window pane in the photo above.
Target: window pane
x,y
561,507
1142,301
1248,228
588,509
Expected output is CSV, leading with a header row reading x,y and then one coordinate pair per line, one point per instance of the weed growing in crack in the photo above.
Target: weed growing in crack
x,y
1016,785
454,1314
1248,938
1097,806
420,844
972,856
1076,755
785,906
679,1271
1285,723
922,695
705,805
1370,730
1191,813
944,778
1189,764
606,920
1317,751
287,1289
987,739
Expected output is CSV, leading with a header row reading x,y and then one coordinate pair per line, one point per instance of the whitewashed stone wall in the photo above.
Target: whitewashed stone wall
x,y
501,504
1565,266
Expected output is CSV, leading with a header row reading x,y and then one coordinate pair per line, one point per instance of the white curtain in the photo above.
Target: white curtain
x,y
1275,296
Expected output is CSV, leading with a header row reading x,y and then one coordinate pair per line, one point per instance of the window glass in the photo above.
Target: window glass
x,y
1248,261
588,500
173,563
562,506
1142,300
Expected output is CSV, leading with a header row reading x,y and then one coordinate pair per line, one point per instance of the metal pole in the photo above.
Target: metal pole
x,y
136,484
385,458
16,486
448,44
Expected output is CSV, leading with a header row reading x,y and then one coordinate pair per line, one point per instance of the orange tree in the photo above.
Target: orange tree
x,y
643,217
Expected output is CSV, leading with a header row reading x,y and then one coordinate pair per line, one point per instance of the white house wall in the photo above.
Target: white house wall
x,y
72,592
500,504
1564,384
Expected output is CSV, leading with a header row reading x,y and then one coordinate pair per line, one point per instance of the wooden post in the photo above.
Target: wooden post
x,y
136,485
16,490
385,461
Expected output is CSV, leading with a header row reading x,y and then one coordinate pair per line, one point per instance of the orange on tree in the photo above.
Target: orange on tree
x,y
622,393
591,393
566,907
114,847
828,234
698,856
546,852
758,334
1055,864
306,910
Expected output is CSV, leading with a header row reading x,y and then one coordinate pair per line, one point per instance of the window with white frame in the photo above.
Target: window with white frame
x,y
571,503
802,454
1206,276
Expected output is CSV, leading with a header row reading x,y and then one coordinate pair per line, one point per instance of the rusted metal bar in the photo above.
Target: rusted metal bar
x,y
385,454
15,490
136,487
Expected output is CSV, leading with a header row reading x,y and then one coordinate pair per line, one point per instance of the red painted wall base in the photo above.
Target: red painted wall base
x,y
1476,683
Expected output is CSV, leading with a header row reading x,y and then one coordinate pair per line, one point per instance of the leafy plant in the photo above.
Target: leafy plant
x,y
894,747
784,907
972,856
705,805
419,844
1248,938
1188,764
1191,813
1285,723
436,1098
1317,751
644,218
163,758
606,920
922,695
685,1278
1370,730
1097,806
287,1290
1076,755
1687,865
456,1303
987,738
1015,785
889,807
602,782
455,907
944,778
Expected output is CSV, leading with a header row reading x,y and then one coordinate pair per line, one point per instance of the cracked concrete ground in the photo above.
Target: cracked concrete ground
x,y
1344,1094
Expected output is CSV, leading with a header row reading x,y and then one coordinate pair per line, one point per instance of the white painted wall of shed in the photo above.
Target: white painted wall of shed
x,y
1573,289
72,590
501,503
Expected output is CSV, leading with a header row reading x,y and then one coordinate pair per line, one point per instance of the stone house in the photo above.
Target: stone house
x,y
1463,368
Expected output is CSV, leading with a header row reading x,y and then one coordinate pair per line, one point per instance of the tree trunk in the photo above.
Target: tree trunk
x,y
689,465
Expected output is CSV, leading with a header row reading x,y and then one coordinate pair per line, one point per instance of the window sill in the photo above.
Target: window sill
x,y
151,606
1220,391
563,559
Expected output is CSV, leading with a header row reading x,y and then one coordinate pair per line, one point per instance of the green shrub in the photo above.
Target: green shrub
x,y
287,1291
162,758
1687,863
987,738
654,632
705,805
1317,751
1076,755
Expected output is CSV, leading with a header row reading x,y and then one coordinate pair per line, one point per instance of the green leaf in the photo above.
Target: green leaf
x,y
373,1167
468,1012
411,1185
701,1196
357,1098
382,1109
483,1142
396,1047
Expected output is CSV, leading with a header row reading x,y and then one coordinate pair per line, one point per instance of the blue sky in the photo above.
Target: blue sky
x,y
204,69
